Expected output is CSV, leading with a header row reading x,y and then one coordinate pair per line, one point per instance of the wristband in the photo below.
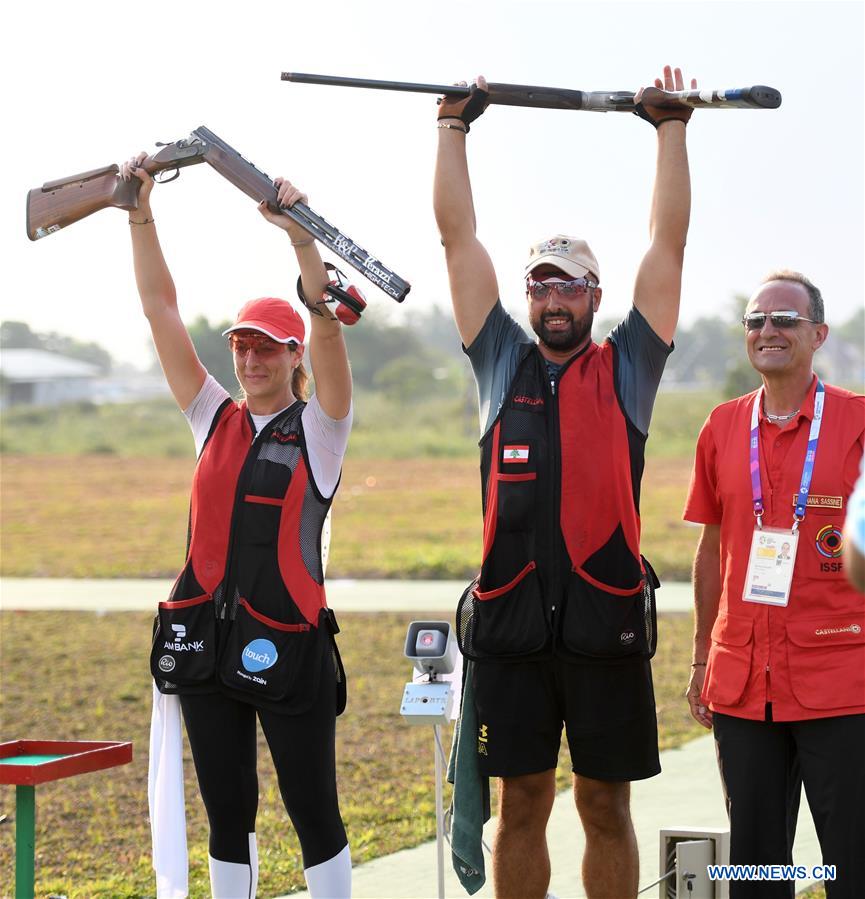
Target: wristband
x,y
145,222
454,127
698,664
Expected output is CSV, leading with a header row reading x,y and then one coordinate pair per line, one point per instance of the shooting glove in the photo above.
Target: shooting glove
x,y
657,115
466,109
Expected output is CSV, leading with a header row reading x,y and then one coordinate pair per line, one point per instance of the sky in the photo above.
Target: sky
x,y
88,84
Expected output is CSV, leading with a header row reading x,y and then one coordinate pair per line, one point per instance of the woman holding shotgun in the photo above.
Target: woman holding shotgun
x,y
246,632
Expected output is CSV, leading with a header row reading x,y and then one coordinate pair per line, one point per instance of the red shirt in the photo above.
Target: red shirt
x,y
808,658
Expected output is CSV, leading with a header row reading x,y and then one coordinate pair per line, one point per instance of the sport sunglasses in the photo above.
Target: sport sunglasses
x,y
754,321
540,290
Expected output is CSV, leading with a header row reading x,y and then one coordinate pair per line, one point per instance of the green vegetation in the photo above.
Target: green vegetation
x,y
93,837
443,424
117,516
152,428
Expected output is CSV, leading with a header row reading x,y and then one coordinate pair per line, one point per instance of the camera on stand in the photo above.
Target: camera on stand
x,y
430,699
432,648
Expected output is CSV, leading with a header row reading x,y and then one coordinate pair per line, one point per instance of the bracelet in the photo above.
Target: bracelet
x,y
454,127
145,222
698,664
303,243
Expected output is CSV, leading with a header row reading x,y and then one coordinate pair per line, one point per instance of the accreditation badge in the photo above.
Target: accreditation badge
x,y
770,566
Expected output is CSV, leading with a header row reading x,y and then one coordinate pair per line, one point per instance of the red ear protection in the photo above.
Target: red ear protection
x,y
350,302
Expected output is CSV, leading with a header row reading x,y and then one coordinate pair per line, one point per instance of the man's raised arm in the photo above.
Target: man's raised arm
x,y
473,286
659,279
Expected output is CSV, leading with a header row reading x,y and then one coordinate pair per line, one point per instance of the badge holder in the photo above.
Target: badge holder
x,y
770,566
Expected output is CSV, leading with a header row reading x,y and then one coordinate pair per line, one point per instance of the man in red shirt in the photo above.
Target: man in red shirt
x,y
779,640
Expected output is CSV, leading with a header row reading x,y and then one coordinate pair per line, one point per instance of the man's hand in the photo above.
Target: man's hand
x,y
287,195
657,115
699,711
465,109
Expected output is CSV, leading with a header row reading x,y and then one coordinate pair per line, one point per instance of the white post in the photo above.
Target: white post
x,y
440,835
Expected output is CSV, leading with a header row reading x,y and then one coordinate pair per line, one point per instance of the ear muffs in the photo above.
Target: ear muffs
x,y
350,301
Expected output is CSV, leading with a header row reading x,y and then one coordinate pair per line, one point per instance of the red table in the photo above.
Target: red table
x,y
26,763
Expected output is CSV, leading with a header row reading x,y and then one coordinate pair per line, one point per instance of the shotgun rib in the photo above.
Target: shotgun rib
x,y
259,186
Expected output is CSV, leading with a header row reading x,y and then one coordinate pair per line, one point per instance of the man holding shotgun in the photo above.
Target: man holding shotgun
x,y
560,627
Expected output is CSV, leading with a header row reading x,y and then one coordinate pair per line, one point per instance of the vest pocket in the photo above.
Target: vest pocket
x,y
606,622
516,500
260,523
827,661
184,641
501,622
729,659
271,659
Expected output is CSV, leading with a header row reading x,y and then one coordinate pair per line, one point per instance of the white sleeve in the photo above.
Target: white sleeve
x,y
199,413
856,512
326,442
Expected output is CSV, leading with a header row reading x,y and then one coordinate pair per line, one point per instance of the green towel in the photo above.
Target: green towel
x,y
470,805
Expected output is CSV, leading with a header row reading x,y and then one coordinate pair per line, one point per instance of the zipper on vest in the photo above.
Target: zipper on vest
x,y
557,550
239,493
554,442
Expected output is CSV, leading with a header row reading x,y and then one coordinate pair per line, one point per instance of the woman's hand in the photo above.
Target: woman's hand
x,y
132,169
287,195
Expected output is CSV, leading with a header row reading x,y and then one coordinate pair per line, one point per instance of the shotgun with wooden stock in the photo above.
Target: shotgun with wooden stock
x,y
63,202
756,97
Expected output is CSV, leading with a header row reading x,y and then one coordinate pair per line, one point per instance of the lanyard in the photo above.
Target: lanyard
x,y
807,469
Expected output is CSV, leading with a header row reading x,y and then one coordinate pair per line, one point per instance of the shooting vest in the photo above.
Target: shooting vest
x,y
248,614
562,571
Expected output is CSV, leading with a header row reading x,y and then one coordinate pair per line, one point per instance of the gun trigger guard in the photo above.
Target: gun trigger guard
x,y
160,177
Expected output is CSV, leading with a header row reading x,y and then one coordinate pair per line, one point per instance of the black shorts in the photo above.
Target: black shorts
x,y
608,711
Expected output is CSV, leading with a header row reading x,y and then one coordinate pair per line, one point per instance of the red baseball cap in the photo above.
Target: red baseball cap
x,y
272,316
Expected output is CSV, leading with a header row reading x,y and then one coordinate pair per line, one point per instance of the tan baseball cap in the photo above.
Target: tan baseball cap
x,y
570,254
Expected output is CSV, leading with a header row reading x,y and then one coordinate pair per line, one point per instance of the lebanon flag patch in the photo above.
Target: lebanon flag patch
x,y
515,454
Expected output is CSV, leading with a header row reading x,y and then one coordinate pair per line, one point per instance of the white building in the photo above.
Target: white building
x,y
38,378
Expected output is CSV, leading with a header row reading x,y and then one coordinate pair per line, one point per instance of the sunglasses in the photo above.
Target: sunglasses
x,y
540,290
754,321
261,343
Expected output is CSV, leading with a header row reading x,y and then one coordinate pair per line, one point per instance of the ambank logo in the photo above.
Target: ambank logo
x,y
258,655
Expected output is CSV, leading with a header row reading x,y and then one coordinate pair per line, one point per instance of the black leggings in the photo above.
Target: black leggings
x,y
222,735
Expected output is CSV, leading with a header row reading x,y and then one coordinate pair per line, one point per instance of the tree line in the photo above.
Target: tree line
x,y
422,358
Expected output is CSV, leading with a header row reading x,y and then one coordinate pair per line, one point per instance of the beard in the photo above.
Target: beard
x,y
569,338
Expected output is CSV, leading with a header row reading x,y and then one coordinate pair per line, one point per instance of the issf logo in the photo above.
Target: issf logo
x,y
258,655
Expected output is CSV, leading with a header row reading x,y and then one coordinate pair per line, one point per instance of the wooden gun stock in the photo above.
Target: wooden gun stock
x,y
68,200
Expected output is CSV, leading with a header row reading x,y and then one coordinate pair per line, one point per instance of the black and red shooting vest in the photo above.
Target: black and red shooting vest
x,y
562,571
248,614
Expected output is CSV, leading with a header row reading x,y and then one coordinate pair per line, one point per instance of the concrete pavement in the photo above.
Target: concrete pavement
x,y
342,595
687,794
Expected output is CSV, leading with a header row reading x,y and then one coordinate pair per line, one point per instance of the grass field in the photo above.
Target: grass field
x,y
113,516
382,428
102,491
84,676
